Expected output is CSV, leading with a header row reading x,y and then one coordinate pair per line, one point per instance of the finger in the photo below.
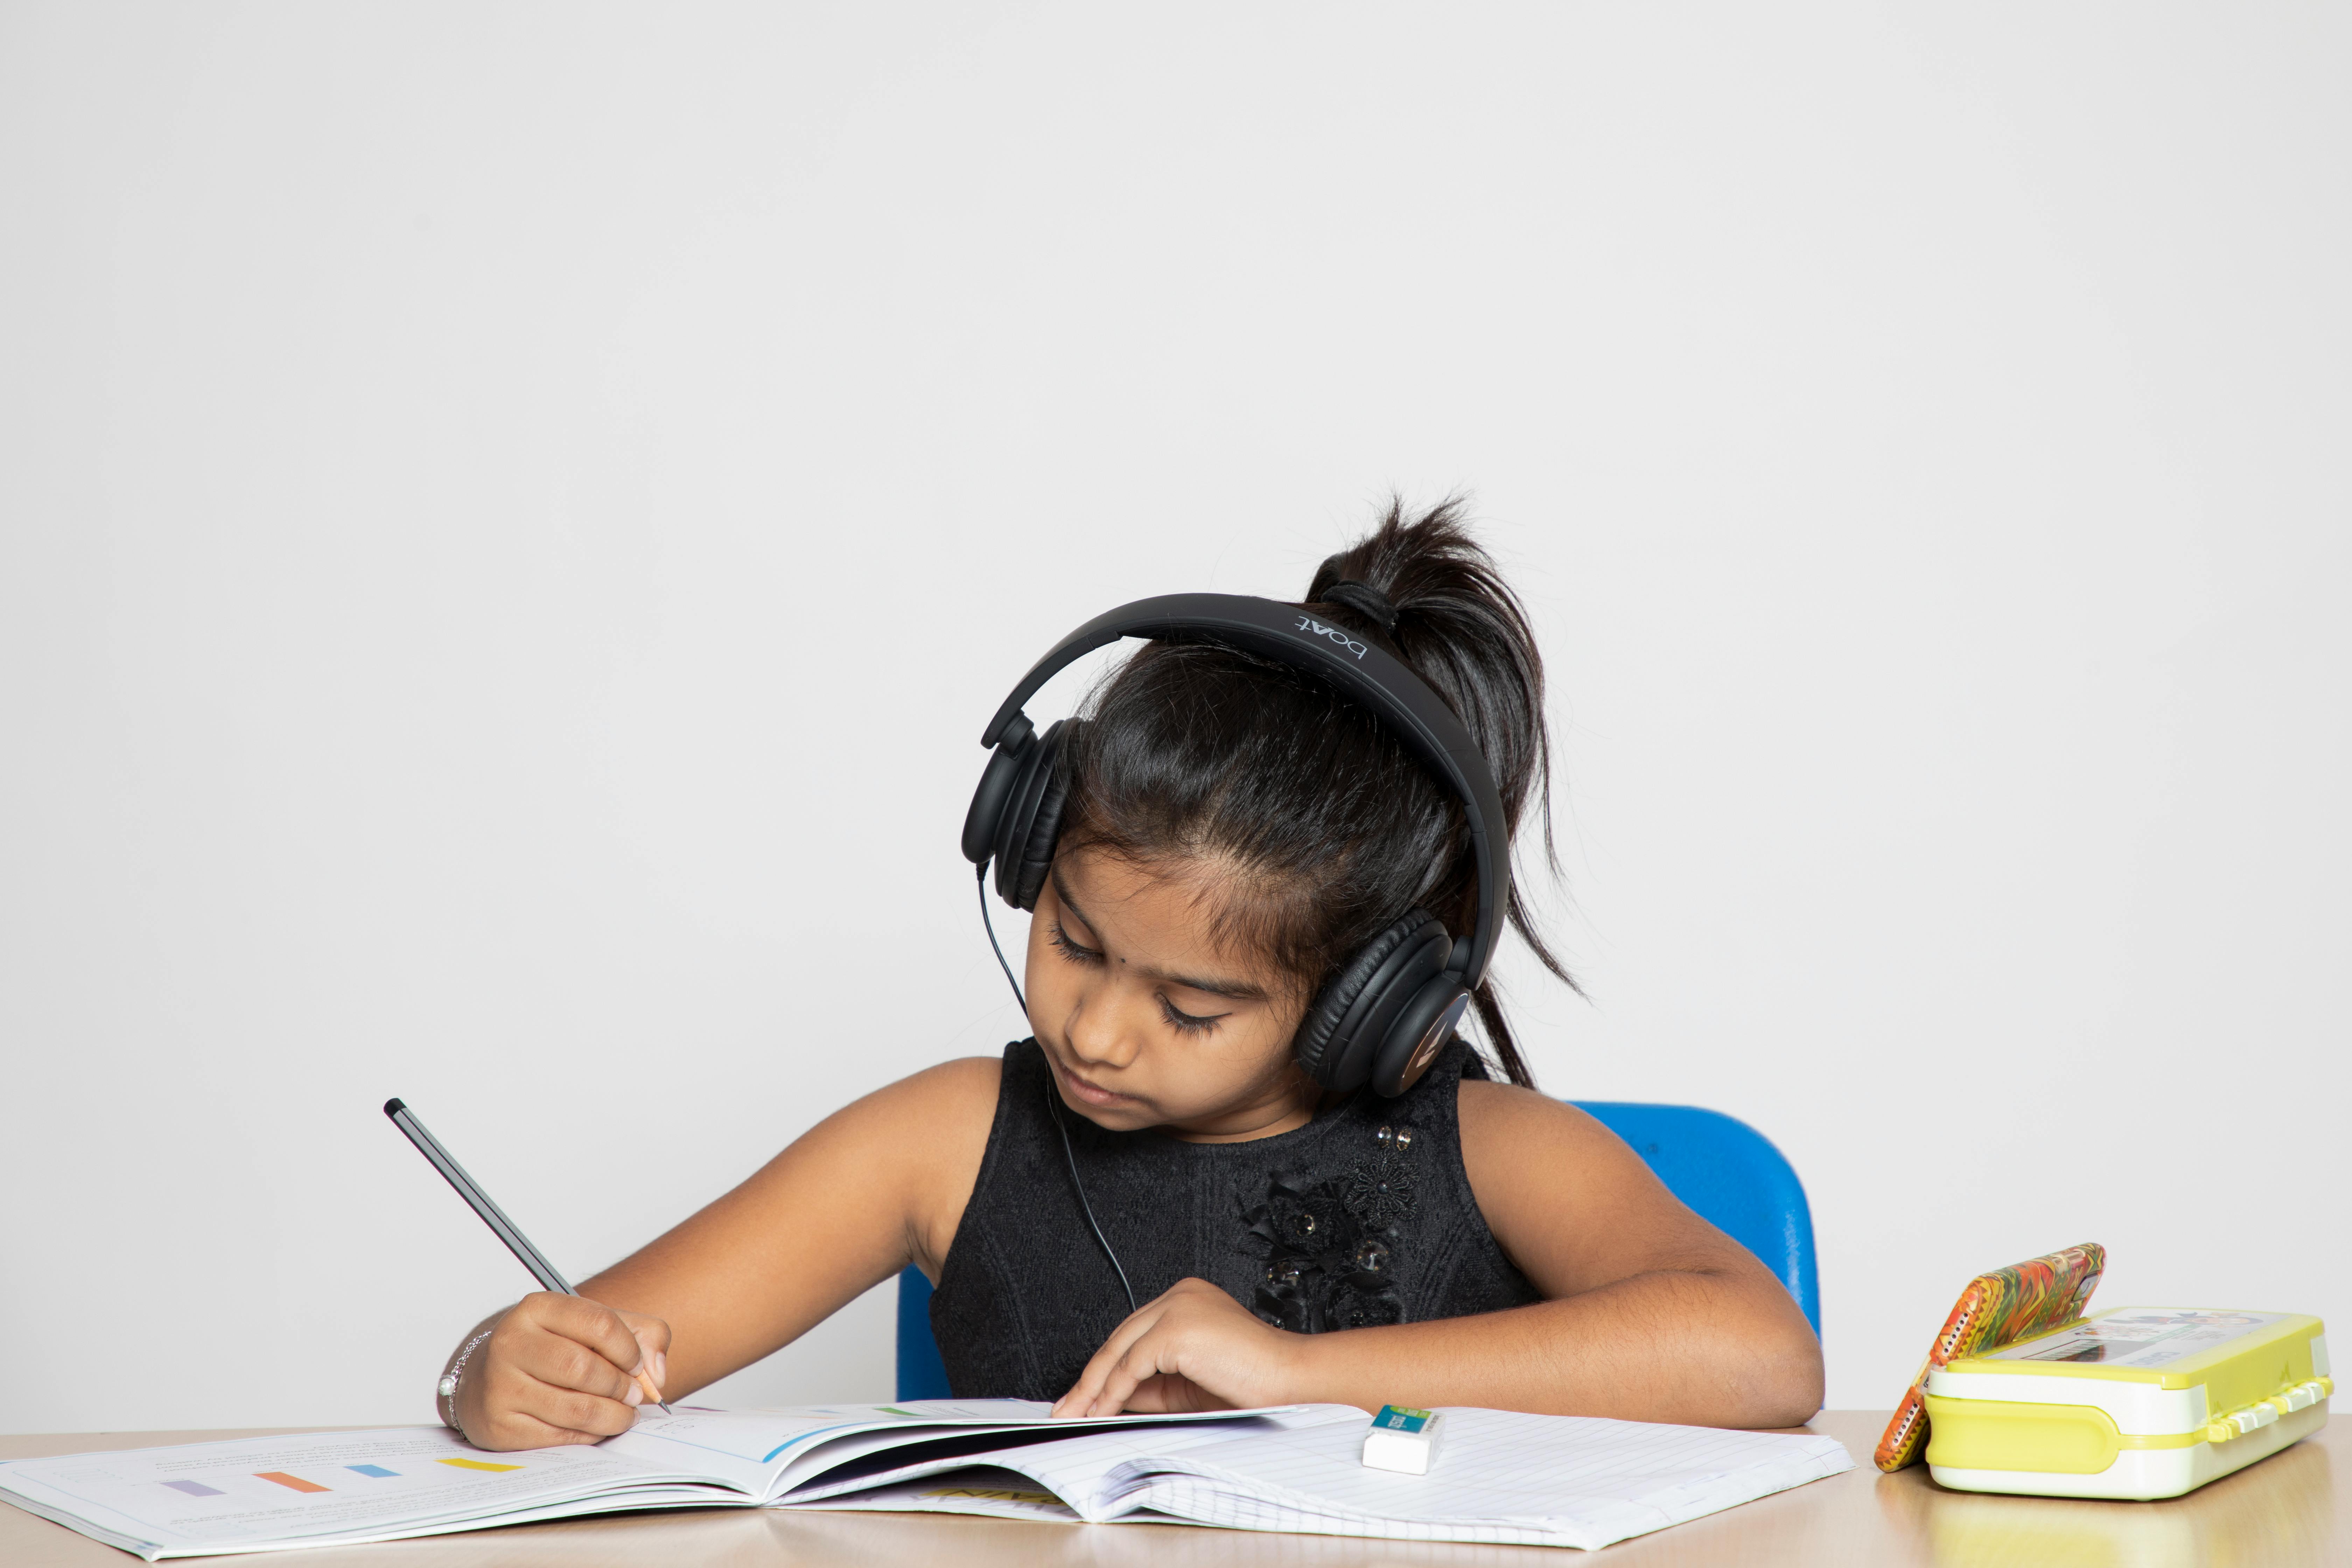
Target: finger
x,y
594,1324
509,1408
1162,1393
514,1429
653,1338
1117,1378
551,1358
652,1332
570,1410
1141,1362
1081,1394
647,1383
1079,1400
1173,1390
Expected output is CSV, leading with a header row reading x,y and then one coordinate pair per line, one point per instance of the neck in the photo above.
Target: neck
x,y
1289,1103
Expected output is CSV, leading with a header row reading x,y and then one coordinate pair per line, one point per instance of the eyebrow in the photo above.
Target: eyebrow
x,y
1234,990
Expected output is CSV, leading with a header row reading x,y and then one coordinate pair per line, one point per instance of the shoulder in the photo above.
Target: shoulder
x,y
1573,1205
923,1138
1513,1136
941,1100
937,1117
963,1079
1502,1119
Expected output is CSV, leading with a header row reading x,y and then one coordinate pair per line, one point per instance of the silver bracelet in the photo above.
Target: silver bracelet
x,y
448,1388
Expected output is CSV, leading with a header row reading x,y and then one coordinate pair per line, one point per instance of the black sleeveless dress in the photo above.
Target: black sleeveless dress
x,y
1363,1216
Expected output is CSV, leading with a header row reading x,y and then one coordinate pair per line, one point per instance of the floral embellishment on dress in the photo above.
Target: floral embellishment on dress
x,y
1328,1249
1379,1192
1322,1267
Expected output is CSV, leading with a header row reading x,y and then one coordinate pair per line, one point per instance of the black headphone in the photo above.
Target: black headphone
x,y
1385,1015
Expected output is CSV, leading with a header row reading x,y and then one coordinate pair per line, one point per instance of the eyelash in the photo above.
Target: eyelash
x,y
1182,1023
1071,950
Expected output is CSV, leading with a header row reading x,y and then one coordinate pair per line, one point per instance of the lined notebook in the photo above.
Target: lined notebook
x,y
1502,1478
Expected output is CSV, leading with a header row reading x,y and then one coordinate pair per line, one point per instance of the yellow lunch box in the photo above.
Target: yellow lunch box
x,y
2140,1401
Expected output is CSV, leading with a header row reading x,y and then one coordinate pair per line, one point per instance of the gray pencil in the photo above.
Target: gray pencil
x,y
495,1217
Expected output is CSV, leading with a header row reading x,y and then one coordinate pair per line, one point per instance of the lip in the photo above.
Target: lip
x,y
1090,1092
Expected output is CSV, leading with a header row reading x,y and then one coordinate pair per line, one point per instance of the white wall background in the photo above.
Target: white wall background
x,y
512,517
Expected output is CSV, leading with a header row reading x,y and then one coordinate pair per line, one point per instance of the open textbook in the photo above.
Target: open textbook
x,y
1502,1478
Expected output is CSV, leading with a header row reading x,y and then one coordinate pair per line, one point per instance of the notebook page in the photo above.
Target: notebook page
x,y
767,1452
242,1493
1076,1469
727,1441
1095,1472
987,1490
1501,1476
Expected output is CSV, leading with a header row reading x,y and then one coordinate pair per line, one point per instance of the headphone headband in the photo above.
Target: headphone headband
x,y
1289,635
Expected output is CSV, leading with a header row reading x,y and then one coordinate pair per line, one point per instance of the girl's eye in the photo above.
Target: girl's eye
x,y
1185,1023
1079,952
1071,950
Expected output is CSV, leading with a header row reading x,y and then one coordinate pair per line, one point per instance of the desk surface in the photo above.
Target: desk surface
x,y
2280,1513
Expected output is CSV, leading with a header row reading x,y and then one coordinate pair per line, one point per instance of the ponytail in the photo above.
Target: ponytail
x,y
1461,628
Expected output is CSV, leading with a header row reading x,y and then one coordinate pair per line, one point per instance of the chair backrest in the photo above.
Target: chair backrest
x,y
1728,1173
1731,1176
921,1374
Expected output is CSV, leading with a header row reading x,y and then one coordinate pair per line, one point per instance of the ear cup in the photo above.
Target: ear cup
x,y
1339,1038
1031,821
996,781
1417,1034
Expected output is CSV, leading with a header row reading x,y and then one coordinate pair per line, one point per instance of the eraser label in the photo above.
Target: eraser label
x,y
1403,1440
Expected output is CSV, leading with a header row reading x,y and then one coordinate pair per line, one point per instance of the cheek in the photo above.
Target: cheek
x,y
1051,988
1260,1046
1052,984
1040,964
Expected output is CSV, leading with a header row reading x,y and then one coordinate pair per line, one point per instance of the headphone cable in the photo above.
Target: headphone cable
x,y
1052,1097
1053,1110
980,882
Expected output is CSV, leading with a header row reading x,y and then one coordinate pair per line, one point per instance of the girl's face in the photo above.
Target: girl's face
x,y
1146,1020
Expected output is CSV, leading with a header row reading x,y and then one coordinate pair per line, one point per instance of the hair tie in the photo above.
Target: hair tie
x,y
1365,600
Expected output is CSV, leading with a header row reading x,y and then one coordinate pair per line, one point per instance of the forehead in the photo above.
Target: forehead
x,y
1166,913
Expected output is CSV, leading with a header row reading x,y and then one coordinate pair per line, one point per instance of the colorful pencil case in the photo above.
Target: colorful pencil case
x,y
1997,1308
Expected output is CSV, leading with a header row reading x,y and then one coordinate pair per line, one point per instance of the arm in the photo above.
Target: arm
x,y
1652,1314
875,1185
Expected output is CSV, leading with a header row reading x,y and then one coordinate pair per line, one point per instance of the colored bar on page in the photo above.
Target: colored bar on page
x,y
376,1470
195,1488
479,1465
296,1482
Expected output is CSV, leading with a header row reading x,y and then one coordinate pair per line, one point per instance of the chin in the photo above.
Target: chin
x,y
1114,1118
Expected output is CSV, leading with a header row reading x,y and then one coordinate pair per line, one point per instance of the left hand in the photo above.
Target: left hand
x,y
1194,1348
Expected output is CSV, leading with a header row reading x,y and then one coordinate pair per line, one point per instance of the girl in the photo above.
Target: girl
x,y
1233,831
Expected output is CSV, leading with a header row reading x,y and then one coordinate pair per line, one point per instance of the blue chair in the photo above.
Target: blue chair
x,y
921,1374
1731,1176
1728,1173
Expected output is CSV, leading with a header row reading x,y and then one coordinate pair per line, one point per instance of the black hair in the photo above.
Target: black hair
x,y
1320,827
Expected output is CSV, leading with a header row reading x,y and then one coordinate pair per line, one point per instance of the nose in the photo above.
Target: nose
x,y
1095,1032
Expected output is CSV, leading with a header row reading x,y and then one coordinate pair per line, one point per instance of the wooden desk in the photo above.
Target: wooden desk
x,y
2281,1513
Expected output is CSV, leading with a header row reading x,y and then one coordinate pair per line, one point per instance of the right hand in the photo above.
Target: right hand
x,y
560,1369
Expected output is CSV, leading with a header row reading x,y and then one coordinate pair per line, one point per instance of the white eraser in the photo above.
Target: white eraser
x,y
1404,1440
